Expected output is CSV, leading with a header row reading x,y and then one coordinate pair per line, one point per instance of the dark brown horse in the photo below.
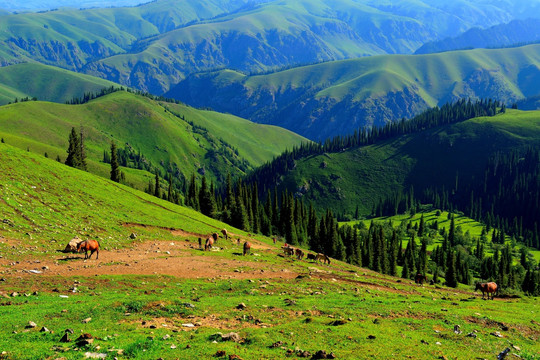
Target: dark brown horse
x,y
247,248
489,288
88,245
215,236
299,254
225,233
419,279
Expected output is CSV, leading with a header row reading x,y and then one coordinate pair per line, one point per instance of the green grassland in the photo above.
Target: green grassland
x,y
46,83
339,308
362,176
338,97
162,136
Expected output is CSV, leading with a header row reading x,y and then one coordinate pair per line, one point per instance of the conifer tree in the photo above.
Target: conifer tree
x,y
451,275
74,150
115,169
157,189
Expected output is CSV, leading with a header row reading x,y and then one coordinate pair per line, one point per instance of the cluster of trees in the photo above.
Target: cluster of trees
x,y
88,96
76,154
506,198
268,174
24,99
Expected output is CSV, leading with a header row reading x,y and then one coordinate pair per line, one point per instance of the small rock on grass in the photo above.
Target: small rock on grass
x,y
321,354
30,325
87,320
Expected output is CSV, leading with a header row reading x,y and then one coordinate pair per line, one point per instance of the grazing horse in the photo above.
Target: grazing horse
x,y
88,245
287,250
209,243
247,248
322,258
224,232
419,278
215,236
311,257
299,254
489,288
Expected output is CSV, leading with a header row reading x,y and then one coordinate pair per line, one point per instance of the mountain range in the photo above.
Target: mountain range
x,y
155,45
339,97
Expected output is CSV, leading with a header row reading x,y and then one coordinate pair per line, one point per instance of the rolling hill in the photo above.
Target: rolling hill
x,y
439,157
516,32
155,45
46,83
322,100
169,136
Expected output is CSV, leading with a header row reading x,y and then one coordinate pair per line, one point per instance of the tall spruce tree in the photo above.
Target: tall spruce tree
x,y
451,274
115,168
74,150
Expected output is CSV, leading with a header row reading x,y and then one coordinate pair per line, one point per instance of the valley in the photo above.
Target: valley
x,y
269,179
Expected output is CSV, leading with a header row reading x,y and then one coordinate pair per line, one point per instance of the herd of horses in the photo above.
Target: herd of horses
x,y
299,254
92,246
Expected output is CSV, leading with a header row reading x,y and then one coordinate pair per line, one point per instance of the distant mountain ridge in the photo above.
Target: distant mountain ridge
x,y
319,101
516,32
155,45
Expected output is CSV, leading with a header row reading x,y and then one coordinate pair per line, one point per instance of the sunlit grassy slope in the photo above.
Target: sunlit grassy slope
x,y
46,83
43,200
162,136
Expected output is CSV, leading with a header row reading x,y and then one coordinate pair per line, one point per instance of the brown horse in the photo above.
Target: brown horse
x,y
208,244
419,279
489,288
247,248
225,233
311,257
322,258
299,254
287,250
215,236
88,245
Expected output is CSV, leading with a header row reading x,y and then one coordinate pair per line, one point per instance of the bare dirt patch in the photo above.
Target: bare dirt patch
x,y
181,259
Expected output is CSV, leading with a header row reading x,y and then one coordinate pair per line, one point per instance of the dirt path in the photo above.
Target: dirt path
x,y
181,258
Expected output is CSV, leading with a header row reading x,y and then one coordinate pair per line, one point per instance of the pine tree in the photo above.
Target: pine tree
x,y
115,169
74,156
451,274
157,189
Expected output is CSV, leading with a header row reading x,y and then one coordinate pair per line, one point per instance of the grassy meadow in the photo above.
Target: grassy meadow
x,y
163,137
133,312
